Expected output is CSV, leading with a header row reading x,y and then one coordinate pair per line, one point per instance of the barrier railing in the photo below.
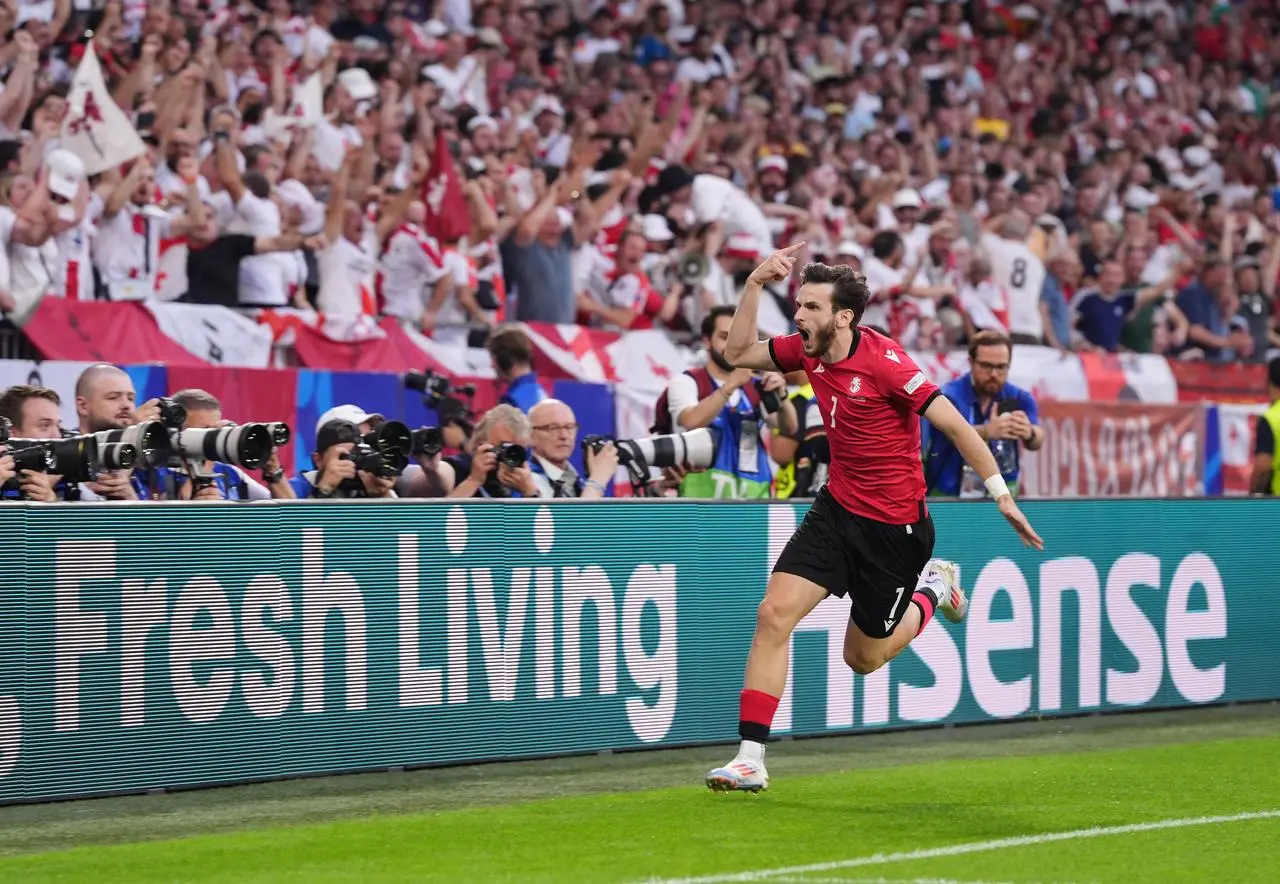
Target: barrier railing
x,y
159,646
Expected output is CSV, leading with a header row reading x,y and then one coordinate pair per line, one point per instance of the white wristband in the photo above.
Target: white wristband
x,y
996,486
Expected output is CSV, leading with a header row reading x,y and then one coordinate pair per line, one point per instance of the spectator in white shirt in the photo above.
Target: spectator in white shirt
x,y
703,64
25,221
461,77
127,250
712,198
410,266
598,41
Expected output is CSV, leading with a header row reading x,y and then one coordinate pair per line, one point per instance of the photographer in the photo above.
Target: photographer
x,y
105,401
33,414
735,404
497,465
336,475
217,481
512,354
555,431
1005,416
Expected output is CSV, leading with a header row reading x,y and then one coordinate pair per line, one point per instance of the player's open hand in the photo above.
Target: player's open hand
x,y
777,266
1010,511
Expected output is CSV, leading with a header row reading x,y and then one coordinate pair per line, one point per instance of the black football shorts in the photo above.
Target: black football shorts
x,y
874,563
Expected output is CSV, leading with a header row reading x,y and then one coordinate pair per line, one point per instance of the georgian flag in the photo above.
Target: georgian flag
x,y
95,129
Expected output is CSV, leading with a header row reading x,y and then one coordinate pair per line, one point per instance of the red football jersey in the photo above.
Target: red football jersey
x,y
870,403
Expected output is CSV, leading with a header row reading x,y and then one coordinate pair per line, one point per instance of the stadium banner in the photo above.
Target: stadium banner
x,y
1117,449
1237,426
1197,381
285,639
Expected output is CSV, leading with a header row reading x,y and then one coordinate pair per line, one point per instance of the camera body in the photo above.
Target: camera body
x,y
441,396
383,452
366,458
172,415
770,401
511,454
75,458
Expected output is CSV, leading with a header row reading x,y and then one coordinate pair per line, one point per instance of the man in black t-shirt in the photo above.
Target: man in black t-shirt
x,y
213,262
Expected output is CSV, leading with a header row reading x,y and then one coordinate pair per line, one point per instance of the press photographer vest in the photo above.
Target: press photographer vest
x,y
1272,417
741,468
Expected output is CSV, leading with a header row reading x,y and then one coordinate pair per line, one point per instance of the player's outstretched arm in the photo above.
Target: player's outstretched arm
x,y
744,349
944,418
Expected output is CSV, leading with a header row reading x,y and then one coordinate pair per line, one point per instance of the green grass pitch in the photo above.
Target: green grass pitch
x,y
969,805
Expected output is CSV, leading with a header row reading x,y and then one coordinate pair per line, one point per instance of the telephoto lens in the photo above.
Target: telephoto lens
x,y
117,456
280,434
394,441
150,438
246,446
428,441
74,458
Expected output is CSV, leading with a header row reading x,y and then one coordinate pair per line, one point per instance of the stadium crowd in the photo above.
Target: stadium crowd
x,y
1086,176
1095,175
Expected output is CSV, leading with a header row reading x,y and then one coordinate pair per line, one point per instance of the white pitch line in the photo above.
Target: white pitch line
x,y
878,859
879,881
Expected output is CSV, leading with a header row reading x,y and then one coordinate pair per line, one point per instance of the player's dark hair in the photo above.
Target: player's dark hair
x,y
848,286
989,338
709,321
1273,372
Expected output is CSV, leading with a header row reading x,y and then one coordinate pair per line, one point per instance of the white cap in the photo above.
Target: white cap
x,y
546,103
742,245
436,28
358,83
656,229
350,413
482,121
936,193
907,198
491,37
1197,157
66,172
851,249
565,217
1138,197
773,161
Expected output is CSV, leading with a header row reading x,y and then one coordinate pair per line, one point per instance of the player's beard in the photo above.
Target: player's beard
x,y
820,339
717,356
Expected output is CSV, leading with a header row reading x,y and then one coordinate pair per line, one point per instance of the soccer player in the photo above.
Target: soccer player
x,y
868,534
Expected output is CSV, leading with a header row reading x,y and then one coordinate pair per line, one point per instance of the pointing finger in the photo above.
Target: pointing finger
x,y
791,249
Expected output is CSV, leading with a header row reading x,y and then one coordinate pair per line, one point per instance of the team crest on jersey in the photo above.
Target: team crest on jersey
x,y
855,386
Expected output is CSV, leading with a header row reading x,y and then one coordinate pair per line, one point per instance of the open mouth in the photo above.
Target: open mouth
x,y
804,334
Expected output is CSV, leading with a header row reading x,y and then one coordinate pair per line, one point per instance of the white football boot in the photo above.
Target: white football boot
x,y
740,775
938,579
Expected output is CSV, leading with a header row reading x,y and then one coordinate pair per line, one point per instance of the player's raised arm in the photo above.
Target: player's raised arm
x,y
744,349
944,418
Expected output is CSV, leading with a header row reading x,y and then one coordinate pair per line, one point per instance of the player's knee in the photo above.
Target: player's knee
x,y
773,622
863,662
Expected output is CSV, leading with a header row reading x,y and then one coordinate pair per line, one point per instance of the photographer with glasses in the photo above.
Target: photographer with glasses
x,y
555,432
